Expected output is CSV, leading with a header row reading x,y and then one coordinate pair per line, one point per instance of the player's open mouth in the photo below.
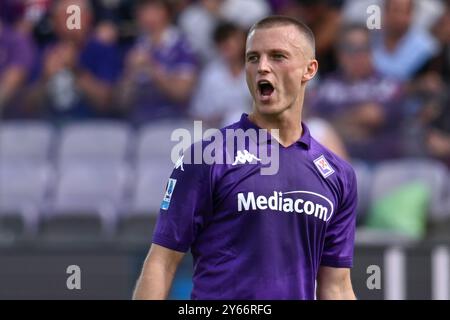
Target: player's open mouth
x,y
265,88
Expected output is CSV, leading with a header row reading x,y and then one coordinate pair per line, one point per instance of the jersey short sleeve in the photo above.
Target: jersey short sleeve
x,y
340,234
185,206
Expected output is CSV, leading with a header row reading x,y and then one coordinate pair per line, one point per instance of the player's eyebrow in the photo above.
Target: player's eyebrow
x,y
282,51
270,51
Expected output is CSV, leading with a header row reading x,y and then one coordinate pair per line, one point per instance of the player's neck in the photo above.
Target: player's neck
x,y
288,124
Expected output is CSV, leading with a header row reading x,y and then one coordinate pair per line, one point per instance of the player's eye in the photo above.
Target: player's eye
x,y
278,56
252,58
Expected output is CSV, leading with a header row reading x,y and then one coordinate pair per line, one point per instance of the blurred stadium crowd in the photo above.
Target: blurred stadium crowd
x,y
86,115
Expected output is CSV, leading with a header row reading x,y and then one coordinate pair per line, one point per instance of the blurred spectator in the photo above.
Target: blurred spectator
x,y
324,19
78,69
33,12
323,132
426,13
280,6
429,82
245,13
440,66
11,11
435,83
198,22
16,58
222,94
178,6
160,70
114,10
434,127
424,16
118,14
401,49
363,106
201,17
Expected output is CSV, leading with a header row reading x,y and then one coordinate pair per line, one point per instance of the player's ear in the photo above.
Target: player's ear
x,y
310,70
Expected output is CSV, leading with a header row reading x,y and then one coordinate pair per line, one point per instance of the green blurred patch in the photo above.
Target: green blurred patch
x,y
404,210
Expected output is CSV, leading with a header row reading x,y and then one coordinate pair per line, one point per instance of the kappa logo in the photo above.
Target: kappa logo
x,y
323,166
243,157
168,195
179,163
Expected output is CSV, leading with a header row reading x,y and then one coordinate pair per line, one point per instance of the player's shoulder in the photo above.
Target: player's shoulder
x,y
232,126
215,137
213,140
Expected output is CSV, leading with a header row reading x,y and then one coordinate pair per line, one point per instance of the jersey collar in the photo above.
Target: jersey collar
x,y
304,140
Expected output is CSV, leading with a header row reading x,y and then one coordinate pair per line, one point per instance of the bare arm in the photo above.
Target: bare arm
x,y
11,80
333,141
334,284
157,274
176,86
98,91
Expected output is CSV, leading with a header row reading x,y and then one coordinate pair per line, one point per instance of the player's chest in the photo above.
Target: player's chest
x,y
297,190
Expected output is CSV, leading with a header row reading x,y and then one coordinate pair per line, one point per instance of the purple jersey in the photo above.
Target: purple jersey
x,y
256,236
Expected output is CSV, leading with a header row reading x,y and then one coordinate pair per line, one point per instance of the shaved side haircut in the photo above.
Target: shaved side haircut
x,y
280,21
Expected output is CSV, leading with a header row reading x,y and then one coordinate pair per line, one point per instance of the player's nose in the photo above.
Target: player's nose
x,y
263,65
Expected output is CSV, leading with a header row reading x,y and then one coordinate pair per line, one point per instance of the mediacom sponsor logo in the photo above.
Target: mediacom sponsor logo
x,y
305,202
